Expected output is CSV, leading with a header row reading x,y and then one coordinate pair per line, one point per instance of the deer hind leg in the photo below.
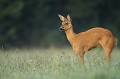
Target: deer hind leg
x,y
108,47
107,52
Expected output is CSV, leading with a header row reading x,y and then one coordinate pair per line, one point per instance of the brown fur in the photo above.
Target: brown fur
x,y
85,41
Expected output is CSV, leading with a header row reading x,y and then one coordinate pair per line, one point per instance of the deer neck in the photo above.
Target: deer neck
x,y
70,35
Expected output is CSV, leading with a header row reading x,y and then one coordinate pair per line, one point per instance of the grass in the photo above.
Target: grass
x,y
57,64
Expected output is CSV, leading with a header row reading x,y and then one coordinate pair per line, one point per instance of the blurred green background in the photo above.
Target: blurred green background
x,y
32,23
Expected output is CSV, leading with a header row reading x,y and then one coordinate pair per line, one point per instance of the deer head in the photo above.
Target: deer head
x,y
66,23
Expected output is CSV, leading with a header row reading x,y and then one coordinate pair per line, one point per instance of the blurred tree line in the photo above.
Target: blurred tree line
x,y
36,22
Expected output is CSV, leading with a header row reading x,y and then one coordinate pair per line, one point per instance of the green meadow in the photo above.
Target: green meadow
x,y
54,63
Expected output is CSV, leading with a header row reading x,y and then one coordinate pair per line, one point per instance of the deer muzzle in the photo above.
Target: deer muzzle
x,y
61,29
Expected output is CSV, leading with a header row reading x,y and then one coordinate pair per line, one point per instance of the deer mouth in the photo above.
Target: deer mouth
x,y
61,29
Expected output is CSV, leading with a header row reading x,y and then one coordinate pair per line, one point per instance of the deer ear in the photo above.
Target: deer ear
x,y
61,17
68,17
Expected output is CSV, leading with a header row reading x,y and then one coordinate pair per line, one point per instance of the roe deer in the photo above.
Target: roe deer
x,y
85,41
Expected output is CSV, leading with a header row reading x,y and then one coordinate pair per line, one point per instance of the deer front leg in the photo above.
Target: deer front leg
x,y
80,56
